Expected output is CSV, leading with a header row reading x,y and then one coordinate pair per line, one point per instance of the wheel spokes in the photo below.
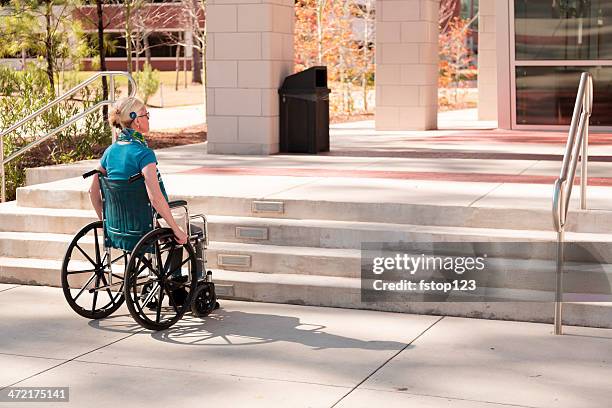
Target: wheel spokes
x,y
95,295
97,248
83,271
149,265
151,294
93,275
86,256
108,291
159,303
166,267
154,298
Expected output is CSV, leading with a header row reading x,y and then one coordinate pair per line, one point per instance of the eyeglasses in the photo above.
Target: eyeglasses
x,y
146,114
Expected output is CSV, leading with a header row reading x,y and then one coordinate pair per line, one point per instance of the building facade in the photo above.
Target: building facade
x,y
160,30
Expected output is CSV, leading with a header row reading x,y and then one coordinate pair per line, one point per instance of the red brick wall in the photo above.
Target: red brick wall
x,y
119,64
161,16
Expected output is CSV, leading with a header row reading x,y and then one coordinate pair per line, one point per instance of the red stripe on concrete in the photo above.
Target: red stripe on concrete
x,y
501,136
394,175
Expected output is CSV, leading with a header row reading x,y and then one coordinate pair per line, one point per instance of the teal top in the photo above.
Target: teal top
x,y
128,156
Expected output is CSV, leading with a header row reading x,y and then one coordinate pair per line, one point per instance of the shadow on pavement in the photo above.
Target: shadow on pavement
x,y
236,328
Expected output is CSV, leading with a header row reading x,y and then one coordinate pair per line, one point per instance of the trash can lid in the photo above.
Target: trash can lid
x,y
311,78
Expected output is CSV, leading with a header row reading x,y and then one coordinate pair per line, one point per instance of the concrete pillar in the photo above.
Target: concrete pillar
x,y
249,53
406,64
504,91
487,62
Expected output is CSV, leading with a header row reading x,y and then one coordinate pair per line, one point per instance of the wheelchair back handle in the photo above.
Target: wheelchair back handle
x,y
91,173
132,178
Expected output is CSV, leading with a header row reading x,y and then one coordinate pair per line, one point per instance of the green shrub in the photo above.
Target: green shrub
x,y
22,93
147,81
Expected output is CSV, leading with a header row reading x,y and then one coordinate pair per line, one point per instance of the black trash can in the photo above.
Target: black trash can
x,y
304,112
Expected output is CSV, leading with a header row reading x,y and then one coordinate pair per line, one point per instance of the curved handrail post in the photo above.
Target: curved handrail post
x,y
584,156
576,146
72,91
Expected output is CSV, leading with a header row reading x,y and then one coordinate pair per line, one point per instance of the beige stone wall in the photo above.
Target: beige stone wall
x,y
487,61
250,52
406,64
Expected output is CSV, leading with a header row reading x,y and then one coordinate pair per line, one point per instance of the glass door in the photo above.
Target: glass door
x,y
552,42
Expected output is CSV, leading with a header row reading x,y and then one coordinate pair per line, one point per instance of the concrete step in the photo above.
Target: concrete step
x,y
277,231
519,274
334,292
51,220
46,174
247,257
72,194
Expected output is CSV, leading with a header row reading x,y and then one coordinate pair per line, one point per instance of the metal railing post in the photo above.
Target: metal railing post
x,y
558,320
584,158
587,105
576,147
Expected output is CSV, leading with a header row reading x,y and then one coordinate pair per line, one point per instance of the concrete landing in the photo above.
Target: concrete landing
x,y
272,355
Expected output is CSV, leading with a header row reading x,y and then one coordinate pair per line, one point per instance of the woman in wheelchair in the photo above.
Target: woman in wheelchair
x,y
130,155
124,188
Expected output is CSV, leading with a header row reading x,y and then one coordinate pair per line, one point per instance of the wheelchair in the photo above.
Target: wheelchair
x,y
129,257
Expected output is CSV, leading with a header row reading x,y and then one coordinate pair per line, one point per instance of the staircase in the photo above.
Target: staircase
x,y
297,248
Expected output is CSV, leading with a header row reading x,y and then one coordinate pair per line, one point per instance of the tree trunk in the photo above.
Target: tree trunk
x,y
177,62
366,59
128,36
147,49
185,65
128,39
196,66
137,52
320,7
49,47
102,53
196,62
342,79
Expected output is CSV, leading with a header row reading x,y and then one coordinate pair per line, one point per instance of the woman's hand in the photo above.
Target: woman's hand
x,y
179,235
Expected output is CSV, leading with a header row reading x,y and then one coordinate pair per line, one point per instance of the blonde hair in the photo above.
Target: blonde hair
x,y
119,115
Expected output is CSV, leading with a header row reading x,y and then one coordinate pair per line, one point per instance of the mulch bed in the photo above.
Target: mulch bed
x,y
177,137
39,156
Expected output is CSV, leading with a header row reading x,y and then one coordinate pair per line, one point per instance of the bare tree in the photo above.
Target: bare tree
x,y
195,11
448,10
102,54
365,10
147,19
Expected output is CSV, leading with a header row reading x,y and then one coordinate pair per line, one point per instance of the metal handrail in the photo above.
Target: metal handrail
x,y
73,119
576,146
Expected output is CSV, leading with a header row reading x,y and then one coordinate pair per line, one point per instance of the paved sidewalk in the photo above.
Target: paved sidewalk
x,y
177,117
274,355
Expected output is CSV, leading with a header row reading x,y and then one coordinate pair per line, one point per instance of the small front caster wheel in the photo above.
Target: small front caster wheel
x,y
204,300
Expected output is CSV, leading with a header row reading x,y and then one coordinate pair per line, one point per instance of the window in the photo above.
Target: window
x,y
563,29
546,95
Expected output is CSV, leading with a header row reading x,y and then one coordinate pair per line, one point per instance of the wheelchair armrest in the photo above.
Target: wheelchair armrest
x,y
177,203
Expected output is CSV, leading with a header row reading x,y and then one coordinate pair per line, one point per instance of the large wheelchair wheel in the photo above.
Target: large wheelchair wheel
x,y
160,280
85,275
